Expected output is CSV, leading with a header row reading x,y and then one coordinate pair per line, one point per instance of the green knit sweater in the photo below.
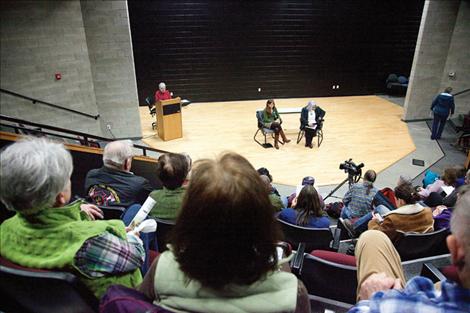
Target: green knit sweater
x,y
50,239
168,203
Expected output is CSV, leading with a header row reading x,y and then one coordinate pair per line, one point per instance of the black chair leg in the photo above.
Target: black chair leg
x,y
320,137
300,135
265,145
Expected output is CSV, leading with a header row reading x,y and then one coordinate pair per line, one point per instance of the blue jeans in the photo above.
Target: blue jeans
x,y
346,213
127,218
438,124
361,223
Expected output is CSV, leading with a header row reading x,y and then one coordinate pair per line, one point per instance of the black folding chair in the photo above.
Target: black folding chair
x,y
264,131
319,134
150,101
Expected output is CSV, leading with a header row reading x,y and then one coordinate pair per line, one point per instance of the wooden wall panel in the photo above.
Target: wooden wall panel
x,y
225,50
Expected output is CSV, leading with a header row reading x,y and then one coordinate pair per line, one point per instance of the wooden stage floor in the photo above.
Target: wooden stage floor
x,y
365,128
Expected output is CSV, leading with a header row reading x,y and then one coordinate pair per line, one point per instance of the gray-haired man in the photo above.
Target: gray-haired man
x,y
114,183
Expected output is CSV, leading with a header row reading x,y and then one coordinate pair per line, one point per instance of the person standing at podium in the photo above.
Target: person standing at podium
x,y
162,93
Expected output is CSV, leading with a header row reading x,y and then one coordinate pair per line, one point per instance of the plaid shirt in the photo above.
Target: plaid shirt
x,y
108,254
418,296
357,199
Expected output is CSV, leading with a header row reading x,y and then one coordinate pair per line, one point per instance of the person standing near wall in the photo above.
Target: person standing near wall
x,y
442,108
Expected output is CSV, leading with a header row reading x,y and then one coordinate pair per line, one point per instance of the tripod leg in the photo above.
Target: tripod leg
x,y
336,188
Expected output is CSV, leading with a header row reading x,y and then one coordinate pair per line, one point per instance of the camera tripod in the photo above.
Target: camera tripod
x,y
351,179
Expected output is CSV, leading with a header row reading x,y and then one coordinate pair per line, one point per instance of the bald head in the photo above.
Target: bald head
x,y
117,154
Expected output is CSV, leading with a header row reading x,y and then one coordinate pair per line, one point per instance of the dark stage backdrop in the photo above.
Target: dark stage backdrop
x,y
225,50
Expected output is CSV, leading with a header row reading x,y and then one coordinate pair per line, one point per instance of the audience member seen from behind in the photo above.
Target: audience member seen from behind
x,y
408,217
448,179
265,171
442,109
440,213
273,197
222,256
50,233
172,170
310,119
114,183
463,178
381,281
358,200
307,210
307,180
272,120
162,93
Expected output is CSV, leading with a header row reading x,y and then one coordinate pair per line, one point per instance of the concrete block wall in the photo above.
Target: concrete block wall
x,y
458,60
89,43
442,46
434,37
112,64
38,39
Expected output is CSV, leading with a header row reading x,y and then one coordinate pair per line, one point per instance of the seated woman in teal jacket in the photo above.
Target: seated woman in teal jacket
x,y
272,120
307,210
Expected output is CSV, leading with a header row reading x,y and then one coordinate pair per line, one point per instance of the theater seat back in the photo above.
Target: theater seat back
x,y
328,279
163,229
411,246
39,291
314,238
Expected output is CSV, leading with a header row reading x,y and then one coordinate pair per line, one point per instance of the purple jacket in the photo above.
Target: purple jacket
x,y
442,220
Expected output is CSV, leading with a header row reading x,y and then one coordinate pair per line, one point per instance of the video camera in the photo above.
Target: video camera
x,y
354,175
351,168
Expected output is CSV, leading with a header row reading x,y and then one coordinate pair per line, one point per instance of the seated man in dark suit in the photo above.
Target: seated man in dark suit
x,y
310,121
114,183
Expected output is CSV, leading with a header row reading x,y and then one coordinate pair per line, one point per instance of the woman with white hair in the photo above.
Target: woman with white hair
x,y
310,118
162,93
50,233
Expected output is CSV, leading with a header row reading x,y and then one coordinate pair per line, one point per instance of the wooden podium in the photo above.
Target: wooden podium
x,y
169,123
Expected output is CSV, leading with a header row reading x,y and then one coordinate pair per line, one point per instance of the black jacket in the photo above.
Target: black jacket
x,y
319,114
116,187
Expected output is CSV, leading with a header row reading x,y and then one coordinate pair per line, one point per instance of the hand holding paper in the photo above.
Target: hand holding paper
x,y
147,226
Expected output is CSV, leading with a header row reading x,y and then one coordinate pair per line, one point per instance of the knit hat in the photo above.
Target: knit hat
x,y
433,200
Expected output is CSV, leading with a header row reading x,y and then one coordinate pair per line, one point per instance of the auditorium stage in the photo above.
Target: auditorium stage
x,y
365,128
